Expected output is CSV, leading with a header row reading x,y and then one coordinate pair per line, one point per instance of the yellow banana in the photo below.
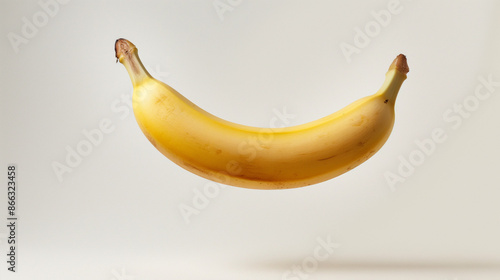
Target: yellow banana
x,y
277,158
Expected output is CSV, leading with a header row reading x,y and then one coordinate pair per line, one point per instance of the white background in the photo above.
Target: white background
x,y
116,214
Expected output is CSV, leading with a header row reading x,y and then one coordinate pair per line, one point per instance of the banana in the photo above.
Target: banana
x,y
254,157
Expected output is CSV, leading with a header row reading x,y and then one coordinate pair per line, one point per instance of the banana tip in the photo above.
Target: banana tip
x,y
400,64
123,47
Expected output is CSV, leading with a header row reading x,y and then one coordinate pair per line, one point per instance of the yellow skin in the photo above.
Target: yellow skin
x,y
260,158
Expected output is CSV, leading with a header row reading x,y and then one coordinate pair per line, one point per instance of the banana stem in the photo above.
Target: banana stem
x,y
126,53
395,78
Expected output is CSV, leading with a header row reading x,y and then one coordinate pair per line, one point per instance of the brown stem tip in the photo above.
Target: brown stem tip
x,y
123,47
400,64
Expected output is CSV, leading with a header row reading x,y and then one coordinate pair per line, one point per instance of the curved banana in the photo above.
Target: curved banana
x,y
260,158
